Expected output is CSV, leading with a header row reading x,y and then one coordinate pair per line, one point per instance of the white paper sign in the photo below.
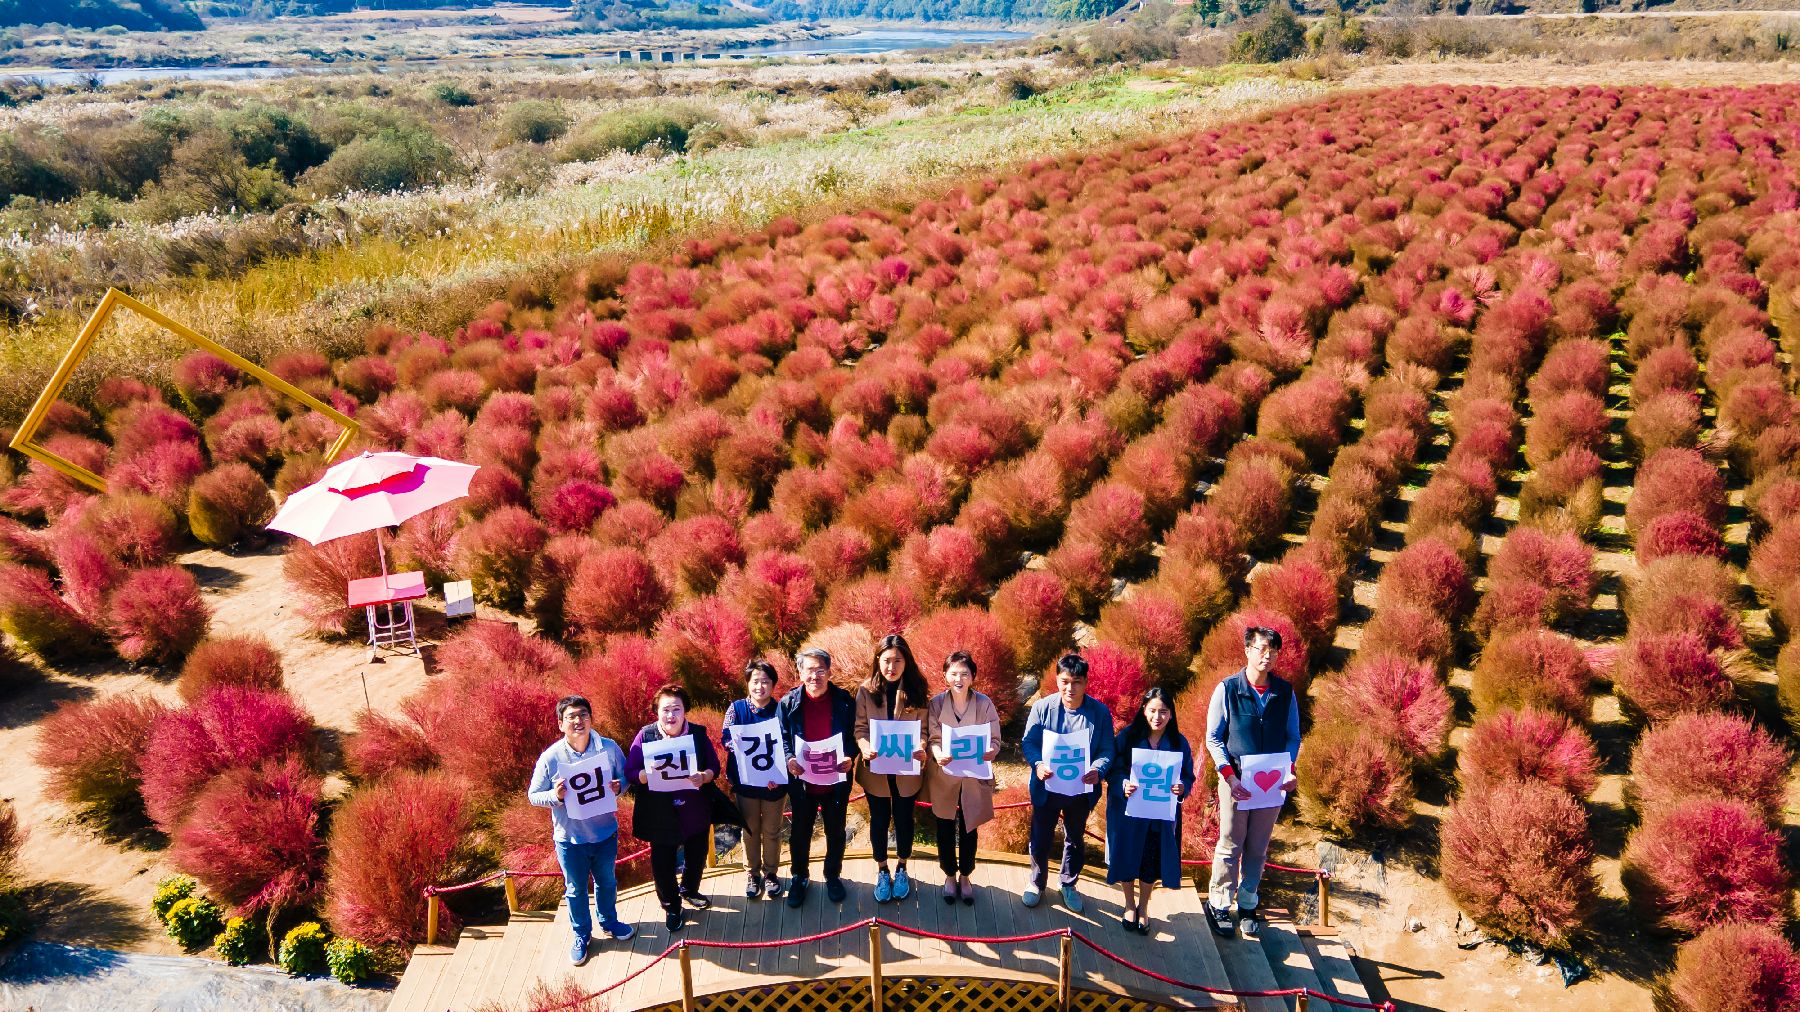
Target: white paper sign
x,y
761,757
968,752
670,763
1155,771
1069,759
587,788
820,760
1262,776
895,742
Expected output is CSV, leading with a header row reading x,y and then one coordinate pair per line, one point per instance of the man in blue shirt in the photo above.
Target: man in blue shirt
x,y
584,847
1251,713
1069,712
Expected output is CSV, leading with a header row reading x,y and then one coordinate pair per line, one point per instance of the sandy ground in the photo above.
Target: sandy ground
x,y
87,891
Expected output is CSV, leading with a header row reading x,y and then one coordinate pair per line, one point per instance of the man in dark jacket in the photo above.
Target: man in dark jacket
x,y
818,711
1251,713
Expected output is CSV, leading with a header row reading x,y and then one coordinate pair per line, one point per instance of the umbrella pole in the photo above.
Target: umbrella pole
x,y
382,552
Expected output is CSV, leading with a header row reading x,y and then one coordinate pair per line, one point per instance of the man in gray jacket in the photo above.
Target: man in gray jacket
x,y
1071,711
584,847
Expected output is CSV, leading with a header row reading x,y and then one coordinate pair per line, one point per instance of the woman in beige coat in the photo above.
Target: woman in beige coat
x,y
962,804
895,690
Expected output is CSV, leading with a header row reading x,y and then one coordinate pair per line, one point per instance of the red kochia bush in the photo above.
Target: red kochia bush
x,y
621,683
1730,967
318,575
575,504
1411,633
943,566
388,842
248,660
1775,561
228,503
1035,617
1305,593
40,620
135,530
252,838
1528,746
707,642
885,604
1534,667
1704,861
496,553
383,744
1518,860
1111,518
691,555
484,649
1152,627
231,727
1394,699
1116,677
498,727
779,593
1675,479
614,590
1679,533
156,615
92,751
937,635
1560,563
1717,755
1663,675
1562,422
1356,782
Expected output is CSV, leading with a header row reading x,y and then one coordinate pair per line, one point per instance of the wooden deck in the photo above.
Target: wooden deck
x,y
489,963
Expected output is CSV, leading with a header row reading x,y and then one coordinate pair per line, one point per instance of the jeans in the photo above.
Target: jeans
x,y
899,811
956,845
807,808
578,862
662,867
1072,811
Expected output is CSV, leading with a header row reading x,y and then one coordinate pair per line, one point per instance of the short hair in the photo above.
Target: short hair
x,y
568,701
672,691
763,668
1074,664
963,658
816,653
1269,636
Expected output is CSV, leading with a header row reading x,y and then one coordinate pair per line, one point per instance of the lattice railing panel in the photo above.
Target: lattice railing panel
x,y
912,994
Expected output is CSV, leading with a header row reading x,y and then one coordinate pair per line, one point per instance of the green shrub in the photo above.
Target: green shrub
x,y
452,95
389,159
303,950
350,960
193,922
633,130
242,941
534,121
208,172
1276,36
171,891
268,135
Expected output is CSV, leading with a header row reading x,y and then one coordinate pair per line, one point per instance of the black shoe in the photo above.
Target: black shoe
x,y
695,900
675,920
834,890
1143,927
1127,923
797,892
1220,921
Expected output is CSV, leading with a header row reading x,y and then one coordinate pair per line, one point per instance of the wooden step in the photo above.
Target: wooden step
x,y
429,963
1247,966
1331,961
1288,956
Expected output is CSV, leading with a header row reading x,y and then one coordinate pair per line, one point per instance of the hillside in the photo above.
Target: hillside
x,y
137,15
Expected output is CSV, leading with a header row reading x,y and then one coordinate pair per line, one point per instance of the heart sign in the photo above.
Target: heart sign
x,y
1263,775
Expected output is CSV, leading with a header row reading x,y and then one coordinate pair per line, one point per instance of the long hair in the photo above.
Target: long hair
x,y
915,692
1140,727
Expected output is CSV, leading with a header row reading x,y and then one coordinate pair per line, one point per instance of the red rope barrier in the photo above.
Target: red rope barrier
x,y
779,942
970,939
1280,993
435,890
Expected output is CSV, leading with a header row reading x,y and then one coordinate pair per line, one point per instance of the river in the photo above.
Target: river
x,y
864,41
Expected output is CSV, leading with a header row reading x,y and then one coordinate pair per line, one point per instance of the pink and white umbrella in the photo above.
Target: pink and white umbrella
x,y
369,492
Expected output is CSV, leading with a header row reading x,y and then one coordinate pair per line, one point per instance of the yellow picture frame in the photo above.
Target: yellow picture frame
x,y
113,300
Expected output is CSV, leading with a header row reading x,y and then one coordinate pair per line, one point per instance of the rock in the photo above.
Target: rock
x,y
1413,924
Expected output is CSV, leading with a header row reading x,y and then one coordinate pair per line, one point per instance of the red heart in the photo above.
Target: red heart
x,y
1266,780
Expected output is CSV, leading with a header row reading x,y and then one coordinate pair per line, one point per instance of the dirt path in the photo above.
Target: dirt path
x,y
87,890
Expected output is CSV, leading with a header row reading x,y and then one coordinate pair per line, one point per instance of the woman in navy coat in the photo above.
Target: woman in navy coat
x,y
1142,852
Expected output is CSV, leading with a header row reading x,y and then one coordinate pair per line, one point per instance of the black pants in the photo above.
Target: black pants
x,y
900,811
1072,812
809,807
956,845
662,867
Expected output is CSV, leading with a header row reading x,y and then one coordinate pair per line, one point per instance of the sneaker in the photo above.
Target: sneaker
x,y
753,886
884,888
772,887
1219,920
1032,896
578,955
1250,924
1072,899
695,900
834,890
675,920
902,884
797,893
621,932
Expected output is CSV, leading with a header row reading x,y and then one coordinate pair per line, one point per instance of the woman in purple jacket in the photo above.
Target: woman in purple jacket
x,y
674,821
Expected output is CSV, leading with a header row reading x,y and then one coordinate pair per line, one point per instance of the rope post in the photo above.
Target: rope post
x,y
687,980
512,892
1065,968
431,918
1300,1001
875,987
1324,900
